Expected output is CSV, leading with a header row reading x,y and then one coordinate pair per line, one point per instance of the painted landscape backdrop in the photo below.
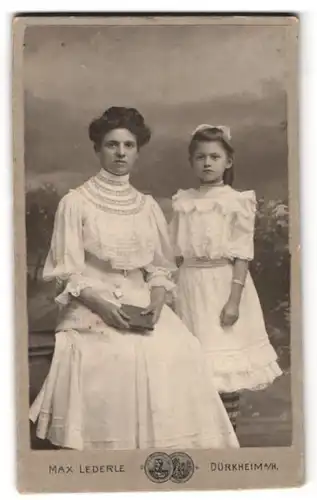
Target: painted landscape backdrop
x,y
178,77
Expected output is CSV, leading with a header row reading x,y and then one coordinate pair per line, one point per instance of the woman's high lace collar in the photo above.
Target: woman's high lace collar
x,y
105,177
112,193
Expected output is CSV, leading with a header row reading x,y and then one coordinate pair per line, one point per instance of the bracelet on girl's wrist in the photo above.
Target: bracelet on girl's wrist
x,y
238,282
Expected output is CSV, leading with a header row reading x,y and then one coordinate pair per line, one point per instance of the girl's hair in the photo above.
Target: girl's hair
x,y
119,117
214,134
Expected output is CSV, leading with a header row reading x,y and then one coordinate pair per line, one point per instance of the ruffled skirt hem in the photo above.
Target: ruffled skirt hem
x,y
255,380
253,368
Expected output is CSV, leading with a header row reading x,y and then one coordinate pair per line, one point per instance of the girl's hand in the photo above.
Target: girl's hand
x,y
113,316
156,305
229,314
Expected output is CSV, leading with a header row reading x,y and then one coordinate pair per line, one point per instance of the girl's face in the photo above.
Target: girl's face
x,y
209,162
118,151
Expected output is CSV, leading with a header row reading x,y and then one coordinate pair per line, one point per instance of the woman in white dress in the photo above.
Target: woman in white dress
x,y
110,387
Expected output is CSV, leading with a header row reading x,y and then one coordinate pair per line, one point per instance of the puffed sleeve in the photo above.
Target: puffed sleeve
x,y
160,271
66,258
241,243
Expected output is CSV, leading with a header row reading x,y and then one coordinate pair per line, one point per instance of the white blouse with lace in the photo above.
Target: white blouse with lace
x,y
213,223
106,223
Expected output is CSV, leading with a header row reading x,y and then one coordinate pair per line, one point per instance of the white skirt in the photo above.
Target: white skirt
x,y
238,357
116,390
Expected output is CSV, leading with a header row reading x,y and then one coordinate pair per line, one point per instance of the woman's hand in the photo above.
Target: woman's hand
x,y
113,316
158,295
110,313
229,314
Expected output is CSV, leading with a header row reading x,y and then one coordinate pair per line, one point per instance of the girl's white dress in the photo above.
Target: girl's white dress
x,y
108,388
218,223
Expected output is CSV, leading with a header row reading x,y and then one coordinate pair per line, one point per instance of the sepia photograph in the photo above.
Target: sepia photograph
x,y
157,238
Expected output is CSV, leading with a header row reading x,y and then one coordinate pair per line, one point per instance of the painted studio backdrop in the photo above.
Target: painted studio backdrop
x,y
178,77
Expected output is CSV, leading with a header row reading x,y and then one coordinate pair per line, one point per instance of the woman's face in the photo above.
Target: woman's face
x,y
209,162
118,151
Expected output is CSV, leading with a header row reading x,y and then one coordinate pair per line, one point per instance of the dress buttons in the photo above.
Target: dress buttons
x,y
118,292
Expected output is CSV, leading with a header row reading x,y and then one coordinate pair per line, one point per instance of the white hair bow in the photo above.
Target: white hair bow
x,y
224,129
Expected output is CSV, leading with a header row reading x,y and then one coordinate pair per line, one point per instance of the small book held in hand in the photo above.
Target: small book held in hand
x,y
137,321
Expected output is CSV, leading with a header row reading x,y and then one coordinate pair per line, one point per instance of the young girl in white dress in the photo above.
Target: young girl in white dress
x,y
110,387
212,234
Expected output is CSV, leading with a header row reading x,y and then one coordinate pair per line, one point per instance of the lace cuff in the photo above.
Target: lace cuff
x,y
160,277
161,281
76,283
240,254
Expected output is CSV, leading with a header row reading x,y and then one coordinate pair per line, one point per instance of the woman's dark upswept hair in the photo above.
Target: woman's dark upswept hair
x,y
119,117
214,134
